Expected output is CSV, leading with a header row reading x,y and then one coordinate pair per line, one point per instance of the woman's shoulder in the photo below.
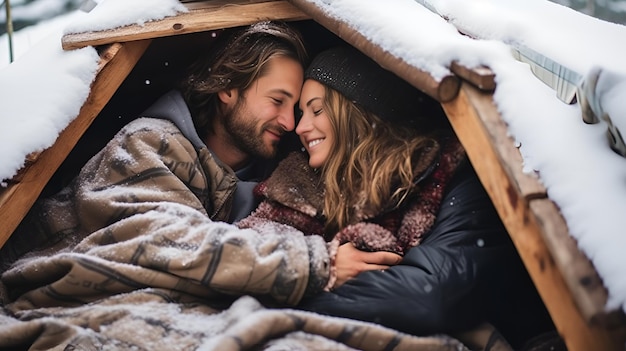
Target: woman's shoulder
x,y
293,168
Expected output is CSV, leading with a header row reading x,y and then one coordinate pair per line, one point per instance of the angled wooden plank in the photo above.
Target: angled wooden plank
x,y
476,121
15,200
578,271
203,16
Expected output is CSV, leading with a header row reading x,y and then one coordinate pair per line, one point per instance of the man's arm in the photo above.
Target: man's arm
x,y
140,209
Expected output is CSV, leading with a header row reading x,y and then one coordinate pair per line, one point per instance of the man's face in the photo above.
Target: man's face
x,y
265,111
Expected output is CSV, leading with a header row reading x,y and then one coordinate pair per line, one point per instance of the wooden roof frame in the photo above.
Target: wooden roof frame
x,y
565,279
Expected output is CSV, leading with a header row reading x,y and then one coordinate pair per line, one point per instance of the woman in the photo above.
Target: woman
x,y
372,179
385,172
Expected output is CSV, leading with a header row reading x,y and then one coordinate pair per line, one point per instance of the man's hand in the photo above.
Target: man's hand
x,y
351,261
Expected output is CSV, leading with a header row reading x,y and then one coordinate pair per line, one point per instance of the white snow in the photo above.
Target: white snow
x,y
584,177
40,94
117,13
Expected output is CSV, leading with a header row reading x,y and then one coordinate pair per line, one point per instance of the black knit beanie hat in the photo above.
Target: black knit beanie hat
x,y
363,81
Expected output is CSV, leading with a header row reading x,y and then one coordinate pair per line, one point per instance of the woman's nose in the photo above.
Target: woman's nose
x,y
303,125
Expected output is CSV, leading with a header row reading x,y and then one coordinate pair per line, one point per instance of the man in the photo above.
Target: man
x,y
136,253
151,206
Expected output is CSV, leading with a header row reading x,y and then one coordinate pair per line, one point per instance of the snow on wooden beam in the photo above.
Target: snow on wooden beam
x,y
116,62
481,77
565,279
442,90
578,272
202,16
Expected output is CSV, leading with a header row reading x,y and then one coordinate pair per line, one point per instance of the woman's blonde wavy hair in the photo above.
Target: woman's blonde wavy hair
x,y
371,167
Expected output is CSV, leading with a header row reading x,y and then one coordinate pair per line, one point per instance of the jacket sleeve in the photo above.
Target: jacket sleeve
x,y
143,224
445,284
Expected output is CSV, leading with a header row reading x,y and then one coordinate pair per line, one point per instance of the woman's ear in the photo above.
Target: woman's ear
x,y
228,97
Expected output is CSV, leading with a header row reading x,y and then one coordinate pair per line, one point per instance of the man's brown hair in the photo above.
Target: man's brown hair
x,y
236,59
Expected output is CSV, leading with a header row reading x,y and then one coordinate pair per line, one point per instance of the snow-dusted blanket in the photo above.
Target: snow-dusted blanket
x,y
149,320
133,256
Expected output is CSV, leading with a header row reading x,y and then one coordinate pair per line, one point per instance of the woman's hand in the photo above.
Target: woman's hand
x,y
351,261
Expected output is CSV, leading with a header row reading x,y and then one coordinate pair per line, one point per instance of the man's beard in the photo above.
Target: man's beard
x,y
246,134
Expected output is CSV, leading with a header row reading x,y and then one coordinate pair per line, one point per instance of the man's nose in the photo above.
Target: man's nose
x,y
286,119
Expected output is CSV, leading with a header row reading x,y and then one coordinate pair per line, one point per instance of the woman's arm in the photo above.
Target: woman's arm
x,y
464,271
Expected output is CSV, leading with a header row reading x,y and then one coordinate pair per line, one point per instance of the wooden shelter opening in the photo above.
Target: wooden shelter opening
x,y
137,68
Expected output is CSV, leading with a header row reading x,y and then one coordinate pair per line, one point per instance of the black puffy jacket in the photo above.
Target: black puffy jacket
x,y
464,272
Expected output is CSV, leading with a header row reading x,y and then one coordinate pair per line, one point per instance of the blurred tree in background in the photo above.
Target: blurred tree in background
x,y
608,10
28,12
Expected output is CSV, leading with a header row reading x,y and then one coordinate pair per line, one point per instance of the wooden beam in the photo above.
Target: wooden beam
x,y
202,16
578,272
15,201
478,124
481,77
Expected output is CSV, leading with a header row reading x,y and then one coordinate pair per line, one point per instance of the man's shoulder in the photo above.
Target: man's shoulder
x,y
146,124
156,132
